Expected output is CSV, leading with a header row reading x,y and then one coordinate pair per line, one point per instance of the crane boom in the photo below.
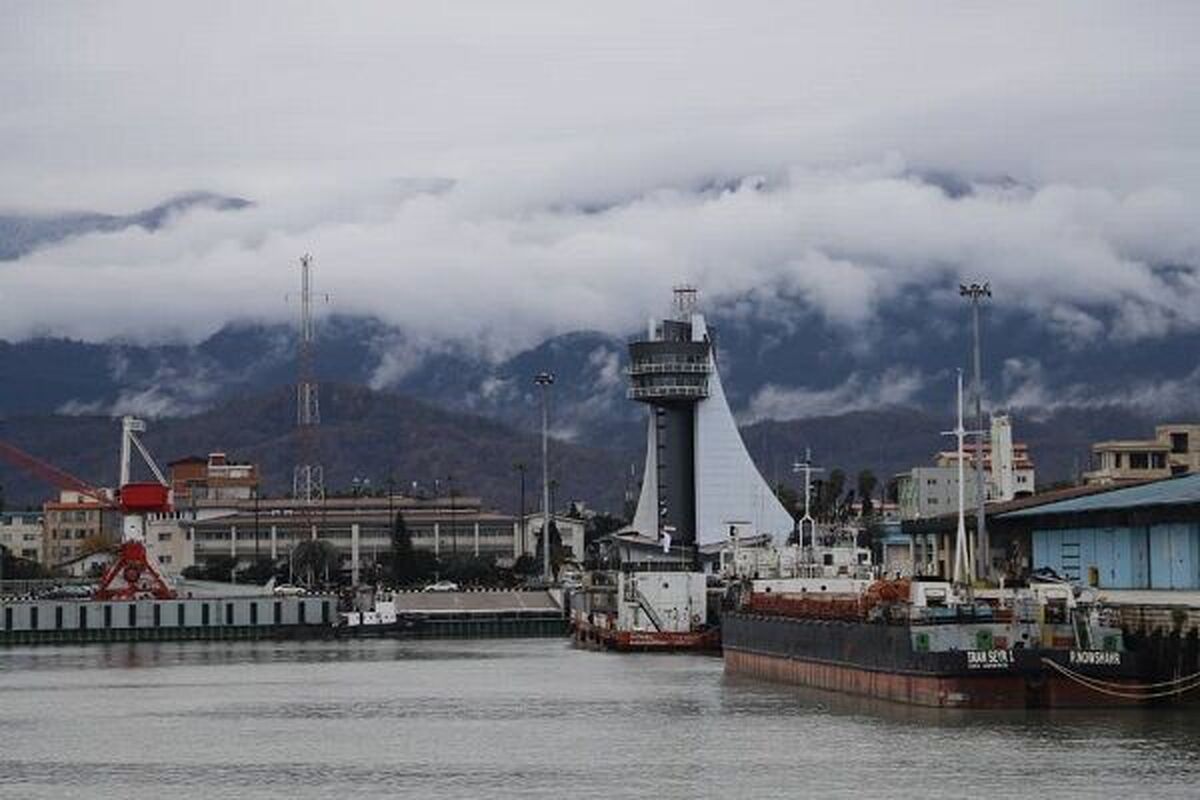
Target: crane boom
x,y
51,474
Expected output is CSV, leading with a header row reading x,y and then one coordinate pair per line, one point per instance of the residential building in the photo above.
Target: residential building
x,y
21,534
76,524
169,540
1008,474
213,478
1174,450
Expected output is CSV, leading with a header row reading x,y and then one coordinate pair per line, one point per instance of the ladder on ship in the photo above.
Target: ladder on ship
x,y
645,606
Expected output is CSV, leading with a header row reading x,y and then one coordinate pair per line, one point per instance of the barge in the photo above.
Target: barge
x,y
929,643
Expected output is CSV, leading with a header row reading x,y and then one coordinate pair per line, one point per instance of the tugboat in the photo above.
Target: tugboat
x,y
373,614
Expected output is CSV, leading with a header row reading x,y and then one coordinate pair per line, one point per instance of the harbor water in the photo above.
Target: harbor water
x,y
527,718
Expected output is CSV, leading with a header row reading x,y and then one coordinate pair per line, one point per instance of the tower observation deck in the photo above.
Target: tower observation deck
x,y
698,474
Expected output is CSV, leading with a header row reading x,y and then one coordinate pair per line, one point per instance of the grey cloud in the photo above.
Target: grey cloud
x,y
836,155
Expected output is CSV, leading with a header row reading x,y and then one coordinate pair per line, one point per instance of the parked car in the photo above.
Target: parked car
x,y
287,590
441,586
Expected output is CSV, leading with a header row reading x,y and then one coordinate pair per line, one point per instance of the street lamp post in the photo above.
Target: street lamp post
x,y
256,526
520,468
975,293
545,380
453,519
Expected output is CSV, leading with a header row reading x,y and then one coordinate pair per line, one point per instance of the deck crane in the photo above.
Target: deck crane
x,y
134,573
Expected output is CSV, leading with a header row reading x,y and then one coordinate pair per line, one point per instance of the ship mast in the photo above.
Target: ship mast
x,y
807,469
964,569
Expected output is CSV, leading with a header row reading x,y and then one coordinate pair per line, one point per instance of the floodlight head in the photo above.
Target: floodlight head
x,y
544,378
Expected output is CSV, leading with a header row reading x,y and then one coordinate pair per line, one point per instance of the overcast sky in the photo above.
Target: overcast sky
x,y
509,170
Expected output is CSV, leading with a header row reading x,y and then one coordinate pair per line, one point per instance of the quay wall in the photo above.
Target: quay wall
x,y
67,621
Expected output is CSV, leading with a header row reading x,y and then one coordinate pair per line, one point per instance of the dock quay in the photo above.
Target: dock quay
x,y
484,613
468,614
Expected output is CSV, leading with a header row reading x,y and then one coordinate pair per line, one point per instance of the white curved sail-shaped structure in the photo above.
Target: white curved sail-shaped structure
x,y
699,478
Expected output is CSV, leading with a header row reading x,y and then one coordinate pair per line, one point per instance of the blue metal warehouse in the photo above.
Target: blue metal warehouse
x,y
1139,537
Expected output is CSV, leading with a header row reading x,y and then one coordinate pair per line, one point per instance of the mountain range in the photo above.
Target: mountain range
x,y
873,396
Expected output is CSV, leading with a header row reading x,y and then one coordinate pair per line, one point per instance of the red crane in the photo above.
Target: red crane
x,y
134,573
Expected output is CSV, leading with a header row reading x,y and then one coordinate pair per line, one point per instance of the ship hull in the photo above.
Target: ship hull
x,y
606,638
873,660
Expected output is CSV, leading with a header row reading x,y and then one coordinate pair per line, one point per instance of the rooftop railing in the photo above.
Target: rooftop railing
x,y
675,390
667,367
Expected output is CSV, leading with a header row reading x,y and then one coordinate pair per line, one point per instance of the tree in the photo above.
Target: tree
x,y
315,558
403,563
526,566
867,483
789,498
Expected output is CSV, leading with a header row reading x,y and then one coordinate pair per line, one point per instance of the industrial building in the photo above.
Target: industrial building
x,y
1135,537
699,478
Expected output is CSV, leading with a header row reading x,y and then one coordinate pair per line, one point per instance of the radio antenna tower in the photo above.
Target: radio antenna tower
x,y
685,302
308,479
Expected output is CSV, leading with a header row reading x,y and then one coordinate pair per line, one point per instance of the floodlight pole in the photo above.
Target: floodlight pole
x,y
545,380
975,293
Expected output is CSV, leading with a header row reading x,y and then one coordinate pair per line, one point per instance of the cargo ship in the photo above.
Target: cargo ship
x,y
931,643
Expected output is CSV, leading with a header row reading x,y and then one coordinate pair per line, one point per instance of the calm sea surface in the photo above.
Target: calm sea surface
x,y
530,719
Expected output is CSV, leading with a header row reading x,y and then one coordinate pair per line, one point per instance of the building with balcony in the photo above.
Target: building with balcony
x,y
1174,450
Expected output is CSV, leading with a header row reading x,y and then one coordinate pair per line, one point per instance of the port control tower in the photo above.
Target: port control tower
x,y
698,473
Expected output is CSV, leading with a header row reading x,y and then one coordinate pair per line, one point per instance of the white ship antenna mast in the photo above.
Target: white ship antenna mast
x,y
964,569
806,467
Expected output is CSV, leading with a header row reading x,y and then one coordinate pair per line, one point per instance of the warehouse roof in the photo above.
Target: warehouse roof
x,y
1183,490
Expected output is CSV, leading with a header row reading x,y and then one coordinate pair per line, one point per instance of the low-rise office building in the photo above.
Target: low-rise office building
x,y
360,528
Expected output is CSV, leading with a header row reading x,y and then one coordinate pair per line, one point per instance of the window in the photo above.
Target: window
x,y
1139,460
1158,460
164,559
1179,442
164,537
